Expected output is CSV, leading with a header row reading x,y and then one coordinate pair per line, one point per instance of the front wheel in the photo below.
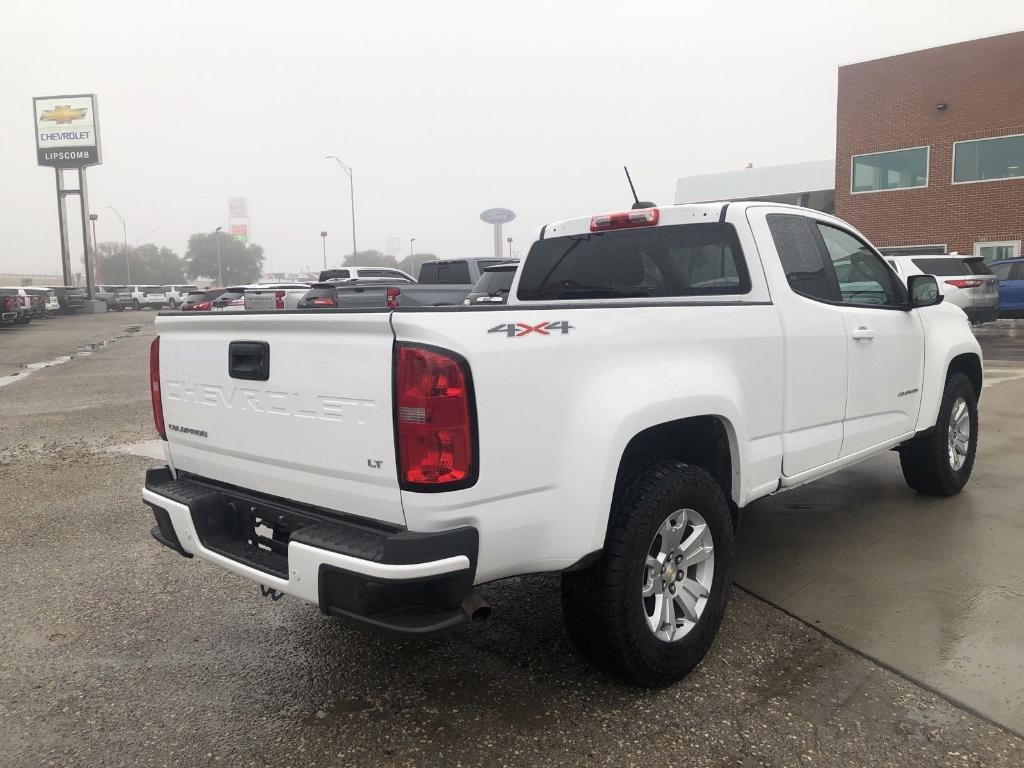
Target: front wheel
x,y
135,305
171,304
649,610
939,462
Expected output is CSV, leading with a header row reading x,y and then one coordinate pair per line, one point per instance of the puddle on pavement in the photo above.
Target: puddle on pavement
x,y
83,351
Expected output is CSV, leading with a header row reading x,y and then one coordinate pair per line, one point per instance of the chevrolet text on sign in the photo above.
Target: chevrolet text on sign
x,y
67,131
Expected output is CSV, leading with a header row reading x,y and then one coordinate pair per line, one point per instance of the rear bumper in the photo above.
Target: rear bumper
x,y
388,579
982,314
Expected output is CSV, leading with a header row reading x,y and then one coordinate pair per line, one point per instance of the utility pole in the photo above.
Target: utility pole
x,y
220,267
323,236
124,232
352,198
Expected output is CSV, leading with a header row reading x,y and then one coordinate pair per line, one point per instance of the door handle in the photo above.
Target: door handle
x,y
863,334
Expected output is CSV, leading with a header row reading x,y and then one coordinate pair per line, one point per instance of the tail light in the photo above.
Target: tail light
x,y
201,306
278,299
239,302
154,388
645,217
964,283
323,301
434,420
393,294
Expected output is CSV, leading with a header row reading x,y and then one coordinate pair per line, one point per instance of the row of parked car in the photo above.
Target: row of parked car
x,y
20,305
985,292
440,283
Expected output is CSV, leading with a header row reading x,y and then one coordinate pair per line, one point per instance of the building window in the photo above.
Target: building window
x,y
997,250
899,169
988,159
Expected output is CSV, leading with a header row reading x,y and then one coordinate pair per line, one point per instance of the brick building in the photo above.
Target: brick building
x,y
930,148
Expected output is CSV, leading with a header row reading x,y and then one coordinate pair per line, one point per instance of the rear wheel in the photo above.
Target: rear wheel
x,y
938,462
136,305
171,304
650,608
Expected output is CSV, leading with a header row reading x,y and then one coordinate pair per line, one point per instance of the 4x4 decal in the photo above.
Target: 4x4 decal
x,y
546,328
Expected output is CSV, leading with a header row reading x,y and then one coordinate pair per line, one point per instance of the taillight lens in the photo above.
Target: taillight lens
x,y
202,306
643,217
279,299
239,302
154,388
964,283
323,301
436,427
393,294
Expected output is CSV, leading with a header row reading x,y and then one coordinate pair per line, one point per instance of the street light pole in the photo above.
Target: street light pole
x,y
220,267
352,198
124,232
323,236
509,247
95,252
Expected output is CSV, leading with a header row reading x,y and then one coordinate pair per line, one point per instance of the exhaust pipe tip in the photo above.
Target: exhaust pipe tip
x,y
476,608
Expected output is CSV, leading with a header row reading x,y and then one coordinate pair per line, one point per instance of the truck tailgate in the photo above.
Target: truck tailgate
x,y
315,427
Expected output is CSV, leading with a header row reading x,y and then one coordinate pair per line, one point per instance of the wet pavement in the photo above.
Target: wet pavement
x,y
931,587
118,652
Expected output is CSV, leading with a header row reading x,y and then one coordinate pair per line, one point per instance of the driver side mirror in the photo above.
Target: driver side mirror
x,y
924,291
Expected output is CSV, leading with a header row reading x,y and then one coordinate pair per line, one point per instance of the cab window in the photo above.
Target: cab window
x,y
864,278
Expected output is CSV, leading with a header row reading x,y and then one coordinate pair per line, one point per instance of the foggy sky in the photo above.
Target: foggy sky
x,y
442,108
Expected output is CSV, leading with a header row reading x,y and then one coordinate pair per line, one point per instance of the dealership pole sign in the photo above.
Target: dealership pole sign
x,y
497,217
67,131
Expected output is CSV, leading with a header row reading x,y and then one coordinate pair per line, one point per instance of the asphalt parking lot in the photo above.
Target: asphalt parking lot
x,y
118,652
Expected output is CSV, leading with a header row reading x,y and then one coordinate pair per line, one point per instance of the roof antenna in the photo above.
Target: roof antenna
x,y
637,202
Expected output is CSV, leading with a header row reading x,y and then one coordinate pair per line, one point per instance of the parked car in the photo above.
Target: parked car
x,y
201,301
274,296
494,284
146,296
1010,273
653,372
355,292
70,298
965,281
345,273
117,297
230,300
176,294
47,298
11,309
32,306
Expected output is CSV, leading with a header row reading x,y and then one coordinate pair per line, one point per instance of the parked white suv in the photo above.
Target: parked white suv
x,y
965,281
145,296
176,294
653,372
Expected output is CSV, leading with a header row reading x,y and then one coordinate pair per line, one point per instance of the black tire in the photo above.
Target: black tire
x,y
603,605
171,304
135,305
119,308
925,459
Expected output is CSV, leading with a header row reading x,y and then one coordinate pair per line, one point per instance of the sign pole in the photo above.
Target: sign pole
x,y
497,240
62,219
83,200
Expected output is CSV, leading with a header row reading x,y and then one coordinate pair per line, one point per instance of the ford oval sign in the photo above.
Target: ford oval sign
x,y
497,216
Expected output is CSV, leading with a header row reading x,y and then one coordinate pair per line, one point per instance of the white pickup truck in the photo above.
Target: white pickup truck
x,y
654,372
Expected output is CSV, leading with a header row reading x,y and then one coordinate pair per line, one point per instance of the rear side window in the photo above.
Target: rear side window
x,y
334,274
977,266
1002,271
444,273
797,241
946,267
660,262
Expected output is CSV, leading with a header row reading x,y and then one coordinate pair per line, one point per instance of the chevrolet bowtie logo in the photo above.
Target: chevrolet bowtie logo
x,y
62,115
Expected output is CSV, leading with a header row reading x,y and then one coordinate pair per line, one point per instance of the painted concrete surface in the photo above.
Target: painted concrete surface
x,y
933,588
